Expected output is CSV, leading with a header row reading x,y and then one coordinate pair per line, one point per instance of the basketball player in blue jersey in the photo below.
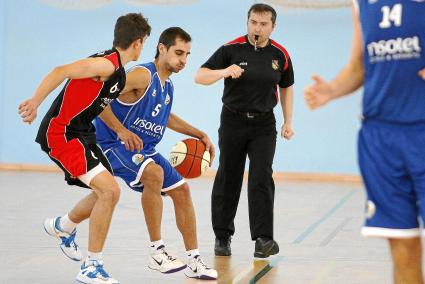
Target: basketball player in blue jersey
x,y
67,135
138,119
388,59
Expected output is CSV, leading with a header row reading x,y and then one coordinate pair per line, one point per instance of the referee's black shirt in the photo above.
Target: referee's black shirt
x,y
265,69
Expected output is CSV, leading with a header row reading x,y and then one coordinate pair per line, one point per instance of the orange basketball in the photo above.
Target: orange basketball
x,y
190,158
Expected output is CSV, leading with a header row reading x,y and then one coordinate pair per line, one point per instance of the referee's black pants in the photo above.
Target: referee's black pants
x,y
240,136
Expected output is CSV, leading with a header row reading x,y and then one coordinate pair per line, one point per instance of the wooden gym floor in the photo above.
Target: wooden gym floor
x,y
317,226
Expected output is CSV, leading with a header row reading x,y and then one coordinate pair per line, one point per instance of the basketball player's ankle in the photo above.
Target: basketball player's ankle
x,y
93,257
155,245
66,224
192,253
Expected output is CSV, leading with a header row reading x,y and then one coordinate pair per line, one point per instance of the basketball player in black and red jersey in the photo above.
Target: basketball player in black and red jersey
x,y
66,134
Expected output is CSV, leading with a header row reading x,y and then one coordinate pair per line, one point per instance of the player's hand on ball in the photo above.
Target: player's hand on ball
x,y
190,156
209,146
286,131
131,141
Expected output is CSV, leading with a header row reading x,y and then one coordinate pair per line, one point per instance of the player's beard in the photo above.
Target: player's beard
x,y
175,69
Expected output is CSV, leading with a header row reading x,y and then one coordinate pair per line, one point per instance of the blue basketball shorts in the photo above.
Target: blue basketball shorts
x,y
130,166
392,164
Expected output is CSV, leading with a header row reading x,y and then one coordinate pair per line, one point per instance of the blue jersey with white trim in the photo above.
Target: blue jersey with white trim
x,y
394,41
147,117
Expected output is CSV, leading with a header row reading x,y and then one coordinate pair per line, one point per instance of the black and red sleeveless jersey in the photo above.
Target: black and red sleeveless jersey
x,y
79,102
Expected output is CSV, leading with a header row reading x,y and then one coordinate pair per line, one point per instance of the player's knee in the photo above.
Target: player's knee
x,y
153,175
185,191
110,195
181,194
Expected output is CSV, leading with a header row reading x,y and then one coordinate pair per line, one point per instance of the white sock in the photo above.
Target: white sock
x,y
192,253
156,244
94,256
66,224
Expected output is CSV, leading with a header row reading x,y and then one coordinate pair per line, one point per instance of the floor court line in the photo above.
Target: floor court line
x,y
241,275
335,232
273,262
316,224
301,237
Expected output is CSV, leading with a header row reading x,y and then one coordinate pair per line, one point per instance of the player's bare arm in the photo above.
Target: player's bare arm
x,y
97,68
131,141
206,76
181,126
135,86
346,82
287,102
137,81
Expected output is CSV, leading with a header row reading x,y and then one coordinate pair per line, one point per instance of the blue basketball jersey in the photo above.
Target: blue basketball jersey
x,y
147,117
394,41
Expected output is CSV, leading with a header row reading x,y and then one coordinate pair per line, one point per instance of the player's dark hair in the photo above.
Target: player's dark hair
x,y
129,28
261,8
169,36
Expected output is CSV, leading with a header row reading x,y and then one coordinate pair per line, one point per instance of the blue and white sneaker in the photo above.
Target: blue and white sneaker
x,y
68,245
92,272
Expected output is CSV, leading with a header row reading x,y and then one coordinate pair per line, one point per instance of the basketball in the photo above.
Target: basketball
x,y
190,158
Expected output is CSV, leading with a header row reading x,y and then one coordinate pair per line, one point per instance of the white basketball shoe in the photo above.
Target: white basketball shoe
x,y
92,272
196,268
162,261
67,240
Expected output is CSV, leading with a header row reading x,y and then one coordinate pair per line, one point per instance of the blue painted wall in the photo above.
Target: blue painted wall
x,y
36,37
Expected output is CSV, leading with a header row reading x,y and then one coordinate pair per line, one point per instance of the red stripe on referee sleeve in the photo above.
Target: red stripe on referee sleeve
x,y
277,93
239,40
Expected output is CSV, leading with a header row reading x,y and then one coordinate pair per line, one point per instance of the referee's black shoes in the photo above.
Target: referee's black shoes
x,y
222,247
265,247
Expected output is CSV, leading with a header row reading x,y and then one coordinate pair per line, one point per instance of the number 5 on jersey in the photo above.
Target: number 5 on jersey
x,y
156,110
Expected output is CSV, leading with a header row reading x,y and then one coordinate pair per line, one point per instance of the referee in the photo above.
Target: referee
x,y
254,67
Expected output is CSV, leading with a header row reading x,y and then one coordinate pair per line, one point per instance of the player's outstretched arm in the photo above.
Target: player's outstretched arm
x,y
181,126
85,68
206,76
131,140
347,81
287,102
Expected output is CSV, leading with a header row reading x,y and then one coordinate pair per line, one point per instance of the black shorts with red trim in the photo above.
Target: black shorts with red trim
x,y
76,158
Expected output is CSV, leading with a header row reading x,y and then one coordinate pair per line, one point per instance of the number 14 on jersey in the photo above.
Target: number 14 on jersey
x,y
391,15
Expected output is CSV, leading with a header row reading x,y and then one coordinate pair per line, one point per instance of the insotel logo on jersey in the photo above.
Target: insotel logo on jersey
x,y
394,49
147,125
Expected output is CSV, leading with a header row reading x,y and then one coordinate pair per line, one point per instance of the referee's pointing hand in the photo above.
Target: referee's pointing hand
x,y
233,71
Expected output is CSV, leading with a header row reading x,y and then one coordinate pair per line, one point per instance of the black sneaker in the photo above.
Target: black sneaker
x,y
222,247
265,247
